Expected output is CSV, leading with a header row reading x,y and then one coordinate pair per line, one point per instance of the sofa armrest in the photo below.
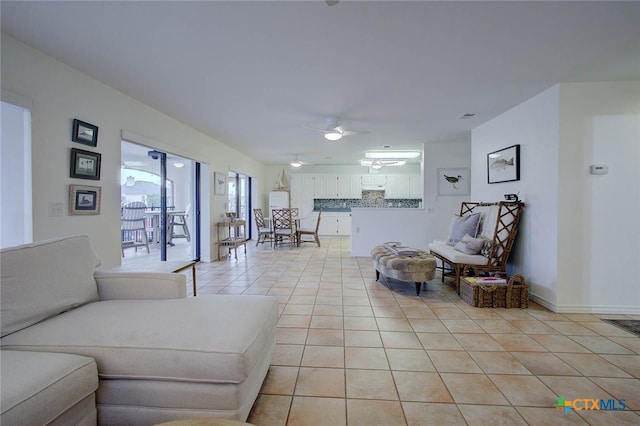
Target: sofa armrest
x,y
140,285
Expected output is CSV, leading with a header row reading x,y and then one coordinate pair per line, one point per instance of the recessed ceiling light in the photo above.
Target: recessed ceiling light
x,y
178,164
392,154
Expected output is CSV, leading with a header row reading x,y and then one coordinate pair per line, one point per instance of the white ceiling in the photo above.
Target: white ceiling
x,y
253,75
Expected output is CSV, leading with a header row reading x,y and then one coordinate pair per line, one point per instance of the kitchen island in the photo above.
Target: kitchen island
x,y
371,227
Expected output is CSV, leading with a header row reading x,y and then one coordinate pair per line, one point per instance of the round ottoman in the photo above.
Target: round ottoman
x,y
416,269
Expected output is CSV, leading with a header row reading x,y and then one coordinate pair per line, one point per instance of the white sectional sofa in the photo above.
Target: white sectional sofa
x,y
159,355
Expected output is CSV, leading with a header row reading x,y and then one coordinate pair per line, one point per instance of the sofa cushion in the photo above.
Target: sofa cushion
x,y
43,279
208,339
455,256
461,225
47,388
469,245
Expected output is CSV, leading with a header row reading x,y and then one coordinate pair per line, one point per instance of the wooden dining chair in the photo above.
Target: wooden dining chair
x,y
283,227
264,231
314,232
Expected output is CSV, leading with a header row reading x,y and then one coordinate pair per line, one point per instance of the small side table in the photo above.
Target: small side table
x,y
172,266
231,234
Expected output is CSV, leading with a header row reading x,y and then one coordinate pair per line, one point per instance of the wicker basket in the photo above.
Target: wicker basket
x,y
513,295
517,292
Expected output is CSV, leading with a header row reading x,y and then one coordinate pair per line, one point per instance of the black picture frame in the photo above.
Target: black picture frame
x,y
84,133
85,164
504,165
84,200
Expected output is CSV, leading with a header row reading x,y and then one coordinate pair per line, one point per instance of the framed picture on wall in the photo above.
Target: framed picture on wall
x,y
84,200
84,133
504,165
85,164
454,181
220,185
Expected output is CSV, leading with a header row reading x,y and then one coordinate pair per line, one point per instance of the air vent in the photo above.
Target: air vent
x,y
468,115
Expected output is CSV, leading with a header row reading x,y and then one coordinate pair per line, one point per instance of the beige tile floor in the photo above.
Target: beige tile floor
x,y
354,351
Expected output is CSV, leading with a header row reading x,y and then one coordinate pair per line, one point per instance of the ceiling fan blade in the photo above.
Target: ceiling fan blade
x,y
354,132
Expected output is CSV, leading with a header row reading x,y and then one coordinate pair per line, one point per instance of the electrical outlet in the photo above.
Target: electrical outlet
x,y
55,209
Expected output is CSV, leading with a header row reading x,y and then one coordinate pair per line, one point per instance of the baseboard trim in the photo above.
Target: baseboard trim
x,y
585,309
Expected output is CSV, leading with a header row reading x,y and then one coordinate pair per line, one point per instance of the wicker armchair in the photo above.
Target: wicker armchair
x,y
499,225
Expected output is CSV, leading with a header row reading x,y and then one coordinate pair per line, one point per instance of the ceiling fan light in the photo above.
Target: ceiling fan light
x,y
333,135
376,165
296,163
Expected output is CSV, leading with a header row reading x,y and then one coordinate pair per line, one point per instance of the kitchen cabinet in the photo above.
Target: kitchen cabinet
x,y
326,186
334,223
307,188
344,224
355,187
415,186
403,187
349,186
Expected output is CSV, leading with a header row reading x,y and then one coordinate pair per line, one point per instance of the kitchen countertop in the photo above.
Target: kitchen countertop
x,y
335,209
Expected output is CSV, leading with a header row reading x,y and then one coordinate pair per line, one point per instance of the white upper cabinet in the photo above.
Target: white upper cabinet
x,y
415,186
326,186
355,186
307,188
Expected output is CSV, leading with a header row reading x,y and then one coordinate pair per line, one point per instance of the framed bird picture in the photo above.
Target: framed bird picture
x,y
454,181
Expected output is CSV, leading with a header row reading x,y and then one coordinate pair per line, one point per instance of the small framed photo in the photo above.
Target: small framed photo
x,y
84,200
84,133
454,181
504,165
85,164
220,185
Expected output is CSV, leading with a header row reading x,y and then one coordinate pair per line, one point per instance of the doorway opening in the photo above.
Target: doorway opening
x,y
239,197
159,190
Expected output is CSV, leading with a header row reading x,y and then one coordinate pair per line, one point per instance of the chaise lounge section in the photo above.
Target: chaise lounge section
x,y
160,356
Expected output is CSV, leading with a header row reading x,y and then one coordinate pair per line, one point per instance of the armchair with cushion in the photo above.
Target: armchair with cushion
x,y
160,356
480,237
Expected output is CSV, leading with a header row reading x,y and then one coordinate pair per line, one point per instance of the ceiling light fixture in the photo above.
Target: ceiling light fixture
x,y
376,165
333,135
392,154
296,163
178,164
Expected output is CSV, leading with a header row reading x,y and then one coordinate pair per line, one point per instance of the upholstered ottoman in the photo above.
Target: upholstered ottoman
x,y
417,269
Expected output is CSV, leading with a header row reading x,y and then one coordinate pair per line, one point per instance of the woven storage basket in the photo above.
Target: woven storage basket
x,y
513,295
469,292
517,292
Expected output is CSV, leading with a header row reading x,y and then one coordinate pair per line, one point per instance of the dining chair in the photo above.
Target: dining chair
x,y
314,232
264,232
133,229
283,227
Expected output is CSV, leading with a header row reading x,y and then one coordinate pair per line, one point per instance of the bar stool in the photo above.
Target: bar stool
x,y
178,219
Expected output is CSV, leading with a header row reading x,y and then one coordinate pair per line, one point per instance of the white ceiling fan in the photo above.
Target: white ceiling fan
x,y
334,130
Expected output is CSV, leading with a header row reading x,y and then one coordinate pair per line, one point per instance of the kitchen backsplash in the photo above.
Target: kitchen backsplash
x,y
369,199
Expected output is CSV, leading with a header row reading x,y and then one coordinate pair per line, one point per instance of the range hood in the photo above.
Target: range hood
x,y
373,187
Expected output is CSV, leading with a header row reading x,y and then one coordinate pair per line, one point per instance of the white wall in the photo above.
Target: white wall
x,y
598,234
577,245
414,227
534,126
59,95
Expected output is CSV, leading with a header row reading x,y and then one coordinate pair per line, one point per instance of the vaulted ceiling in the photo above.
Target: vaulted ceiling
x,y
256,75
